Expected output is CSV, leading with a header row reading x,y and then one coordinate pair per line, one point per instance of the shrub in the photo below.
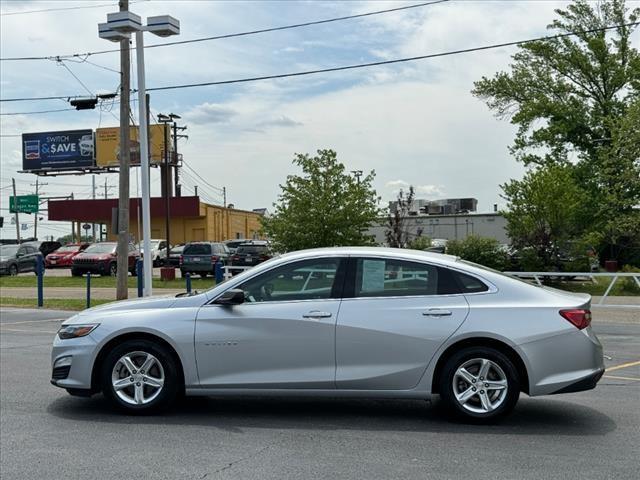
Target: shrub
x,y
628,283
419,243
481,250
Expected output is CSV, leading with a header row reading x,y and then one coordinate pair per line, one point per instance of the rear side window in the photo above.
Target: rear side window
x,y
197,249
469,284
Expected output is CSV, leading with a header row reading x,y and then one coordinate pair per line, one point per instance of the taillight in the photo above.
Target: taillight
x,y
579,317
236,257
264,257
214,259
181,260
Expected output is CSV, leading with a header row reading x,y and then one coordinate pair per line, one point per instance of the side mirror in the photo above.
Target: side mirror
x,y
19,254
234,296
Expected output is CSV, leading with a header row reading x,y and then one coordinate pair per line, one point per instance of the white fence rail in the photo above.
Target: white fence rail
x,y
614,278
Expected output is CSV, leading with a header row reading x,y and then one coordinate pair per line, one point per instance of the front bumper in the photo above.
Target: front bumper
x,y
78,374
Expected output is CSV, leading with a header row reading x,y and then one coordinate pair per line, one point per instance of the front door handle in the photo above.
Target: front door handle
x,y
316,314
437,312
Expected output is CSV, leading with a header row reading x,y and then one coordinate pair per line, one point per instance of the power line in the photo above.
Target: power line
x,y
389,62
38,112
240,34
360,65
57,9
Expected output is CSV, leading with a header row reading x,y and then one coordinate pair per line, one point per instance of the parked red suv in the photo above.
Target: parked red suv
x,y
101,258
63,256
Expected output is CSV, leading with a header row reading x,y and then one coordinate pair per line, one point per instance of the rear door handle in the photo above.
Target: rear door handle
x,y
316,314
437,312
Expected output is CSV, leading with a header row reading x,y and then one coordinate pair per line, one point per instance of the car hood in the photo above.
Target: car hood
x,y
95,314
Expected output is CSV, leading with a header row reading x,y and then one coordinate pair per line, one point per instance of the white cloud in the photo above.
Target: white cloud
x,y
208,113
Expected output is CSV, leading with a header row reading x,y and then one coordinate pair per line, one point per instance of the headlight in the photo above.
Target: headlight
x,y
75,331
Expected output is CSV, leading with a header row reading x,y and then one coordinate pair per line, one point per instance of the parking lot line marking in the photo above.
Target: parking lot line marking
x,y
27,331
34,321
624,365
621,378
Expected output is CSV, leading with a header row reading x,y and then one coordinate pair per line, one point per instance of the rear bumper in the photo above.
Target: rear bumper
x,y
197,267
587,383
569,362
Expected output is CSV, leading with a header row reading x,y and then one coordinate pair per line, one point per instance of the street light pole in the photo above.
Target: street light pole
x,y
147,267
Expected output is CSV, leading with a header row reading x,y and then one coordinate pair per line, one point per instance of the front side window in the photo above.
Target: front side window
x,y
306,280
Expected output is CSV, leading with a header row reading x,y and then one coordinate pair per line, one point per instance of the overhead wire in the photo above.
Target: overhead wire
x,y
360,65
240,34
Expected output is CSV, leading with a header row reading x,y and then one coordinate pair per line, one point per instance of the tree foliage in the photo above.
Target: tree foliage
x,y
482,250
576,102
396,234
545,210
323,207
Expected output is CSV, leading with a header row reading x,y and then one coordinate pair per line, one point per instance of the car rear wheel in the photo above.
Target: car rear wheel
x,y
113,269
140,376
479,384
13,270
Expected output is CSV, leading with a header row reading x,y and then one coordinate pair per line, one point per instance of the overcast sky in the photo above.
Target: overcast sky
x,y
414,123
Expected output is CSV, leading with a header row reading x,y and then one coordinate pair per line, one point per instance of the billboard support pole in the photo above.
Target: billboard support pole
x,y
122,290
15,205
147,264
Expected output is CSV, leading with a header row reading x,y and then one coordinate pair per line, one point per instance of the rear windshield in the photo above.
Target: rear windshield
x,y
68,248
252,249
197,249
101,248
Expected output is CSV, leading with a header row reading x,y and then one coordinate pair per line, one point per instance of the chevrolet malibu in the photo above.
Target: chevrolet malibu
x,y
339,322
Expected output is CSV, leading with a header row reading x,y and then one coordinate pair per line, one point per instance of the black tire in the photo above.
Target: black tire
x,y
203,274
134,272
172,379
469,355
113,269
76,273
183,274
13,270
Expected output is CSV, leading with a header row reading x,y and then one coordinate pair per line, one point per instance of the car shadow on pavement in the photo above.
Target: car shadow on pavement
x,y
531,416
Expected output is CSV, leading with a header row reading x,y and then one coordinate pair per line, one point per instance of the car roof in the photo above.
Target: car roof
x,y
402,253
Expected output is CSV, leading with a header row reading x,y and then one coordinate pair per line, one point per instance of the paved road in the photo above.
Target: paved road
x,y
44,433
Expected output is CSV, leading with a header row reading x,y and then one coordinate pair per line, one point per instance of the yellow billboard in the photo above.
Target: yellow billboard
x,y
108,145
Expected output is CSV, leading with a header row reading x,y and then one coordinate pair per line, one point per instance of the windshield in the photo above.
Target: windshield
x,y
177,249
8,250
101,248
68,248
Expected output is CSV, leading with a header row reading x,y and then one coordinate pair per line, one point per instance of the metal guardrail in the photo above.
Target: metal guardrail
x,y
591,275
229,268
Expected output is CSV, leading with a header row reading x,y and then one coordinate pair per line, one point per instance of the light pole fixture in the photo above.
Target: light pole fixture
x,y
119,26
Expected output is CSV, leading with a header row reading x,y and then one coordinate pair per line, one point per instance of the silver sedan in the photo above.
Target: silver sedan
x,y
339,322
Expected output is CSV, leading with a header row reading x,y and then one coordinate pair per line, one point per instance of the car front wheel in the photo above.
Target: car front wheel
x,y
13,270
140,376
479,384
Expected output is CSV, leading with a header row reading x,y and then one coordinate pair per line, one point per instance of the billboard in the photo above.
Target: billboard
x,y
71,149
108,145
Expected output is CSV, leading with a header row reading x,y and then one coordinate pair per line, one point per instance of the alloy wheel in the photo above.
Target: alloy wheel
x,y
137,378
480,385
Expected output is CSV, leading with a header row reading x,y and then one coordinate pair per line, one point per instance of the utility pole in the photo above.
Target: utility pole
x,y
93,196
106,187
224,197
35,221
357,174
122,291
15,205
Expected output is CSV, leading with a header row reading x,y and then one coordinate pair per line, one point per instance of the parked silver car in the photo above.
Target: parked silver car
x,y
356,321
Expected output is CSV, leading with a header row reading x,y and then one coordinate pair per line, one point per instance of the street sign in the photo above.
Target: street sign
x,y
86,226
26,204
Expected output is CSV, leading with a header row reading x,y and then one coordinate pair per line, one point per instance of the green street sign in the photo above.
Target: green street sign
x,y
26,204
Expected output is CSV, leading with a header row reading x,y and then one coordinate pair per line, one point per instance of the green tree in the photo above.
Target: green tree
x,y
323,207
482,250
545,210
575,101
419,243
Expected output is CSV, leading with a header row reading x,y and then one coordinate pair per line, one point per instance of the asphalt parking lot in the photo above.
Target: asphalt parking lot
x,y
45,433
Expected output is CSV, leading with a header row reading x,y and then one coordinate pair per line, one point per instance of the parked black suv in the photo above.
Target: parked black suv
x,y
251,253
